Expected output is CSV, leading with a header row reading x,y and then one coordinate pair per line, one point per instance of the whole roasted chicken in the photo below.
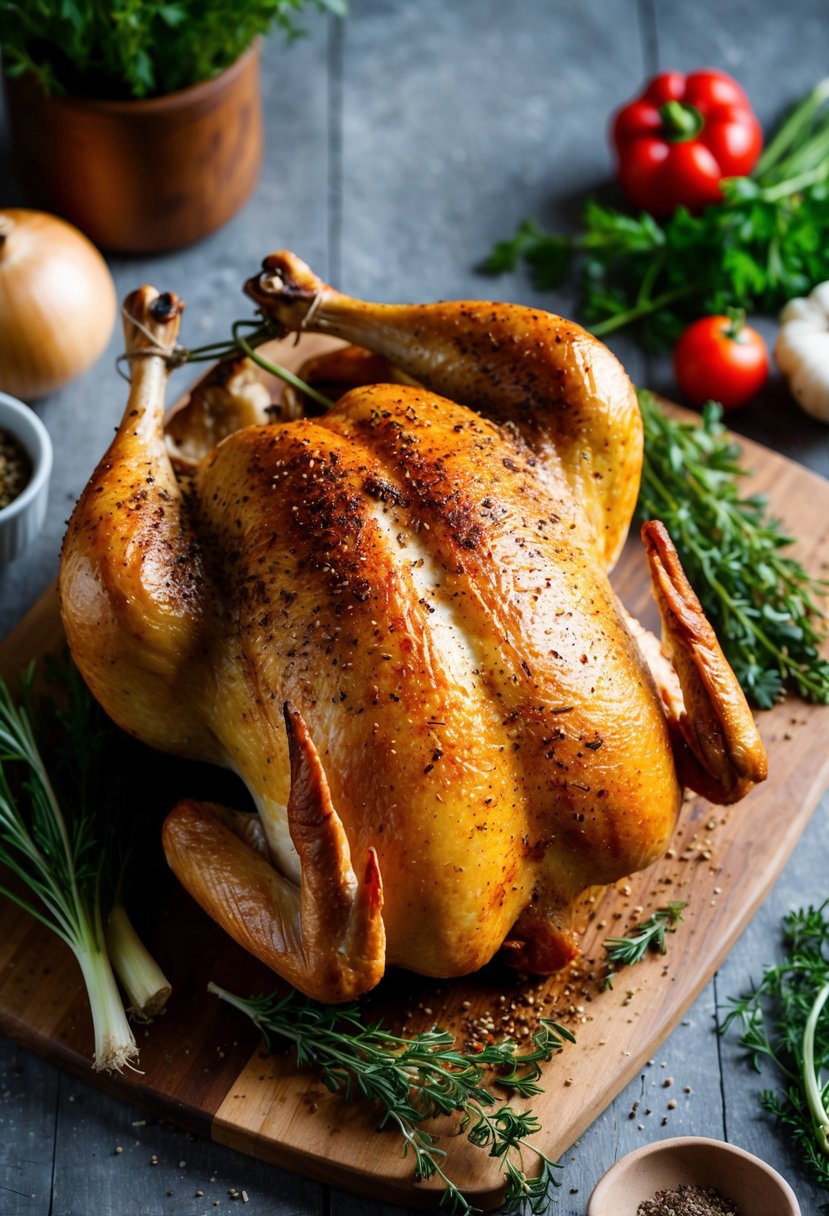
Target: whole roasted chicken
x,y
394,622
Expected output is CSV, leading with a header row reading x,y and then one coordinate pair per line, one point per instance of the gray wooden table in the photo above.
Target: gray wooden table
x,y
400,146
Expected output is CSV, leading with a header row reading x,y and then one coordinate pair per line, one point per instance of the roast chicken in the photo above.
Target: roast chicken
x,y
393,620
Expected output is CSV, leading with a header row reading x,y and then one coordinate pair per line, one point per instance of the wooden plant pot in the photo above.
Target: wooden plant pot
x,y
142,176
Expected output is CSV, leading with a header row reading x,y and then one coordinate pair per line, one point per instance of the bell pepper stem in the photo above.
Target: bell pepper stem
x,y
680,121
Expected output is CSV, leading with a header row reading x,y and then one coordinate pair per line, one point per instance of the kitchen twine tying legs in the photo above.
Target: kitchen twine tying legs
x,y
313,307
174,355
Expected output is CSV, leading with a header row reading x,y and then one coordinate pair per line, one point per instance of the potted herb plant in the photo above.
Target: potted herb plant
x,y
139,120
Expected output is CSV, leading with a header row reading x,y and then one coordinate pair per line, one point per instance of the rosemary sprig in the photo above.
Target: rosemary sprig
x,y
781,1023
766,609
416,1078
649,935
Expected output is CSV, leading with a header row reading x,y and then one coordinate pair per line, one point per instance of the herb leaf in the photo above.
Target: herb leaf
x,y
648,936
766,610
58,839
781,1023
416,1078
138,48
57,858
765,243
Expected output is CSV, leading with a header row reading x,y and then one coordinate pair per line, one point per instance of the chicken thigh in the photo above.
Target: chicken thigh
x,y
394,622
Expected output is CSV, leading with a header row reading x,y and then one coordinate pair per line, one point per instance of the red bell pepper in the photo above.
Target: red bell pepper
x,y
681,136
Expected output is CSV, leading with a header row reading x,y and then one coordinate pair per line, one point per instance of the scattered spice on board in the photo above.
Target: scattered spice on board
x,y
688,1201
15,468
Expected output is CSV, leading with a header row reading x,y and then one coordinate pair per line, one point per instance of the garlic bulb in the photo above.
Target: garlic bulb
x,y
802,350
57,303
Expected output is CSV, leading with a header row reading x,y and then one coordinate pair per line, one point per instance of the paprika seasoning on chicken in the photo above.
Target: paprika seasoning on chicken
x,y
680,137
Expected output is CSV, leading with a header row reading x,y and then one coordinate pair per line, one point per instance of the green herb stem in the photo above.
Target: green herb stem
x,y
780,1023
275,370
796,184
57,842
241,344
212,352
811,1081
766,242
645,306
416,1078
766,609
685,536
793,131
145,984
650,935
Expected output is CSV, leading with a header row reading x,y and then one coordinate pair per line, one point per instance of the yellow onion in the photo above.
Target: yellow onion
x,y
57,303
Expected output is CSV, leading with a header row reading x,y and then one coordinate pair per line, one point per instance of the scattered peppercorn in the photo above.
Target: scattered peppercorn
x,y
15,468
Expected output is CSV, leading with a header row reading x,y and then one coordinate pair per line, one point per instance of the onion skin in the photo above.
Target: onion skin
x,y
57,303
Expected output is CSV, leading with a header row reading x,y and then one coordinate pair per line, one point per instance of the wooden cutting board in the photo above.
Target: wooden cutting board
x,y
204,1067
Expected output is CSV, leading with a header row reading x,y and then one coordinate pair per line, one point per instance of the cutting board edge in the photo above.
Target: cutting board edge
x,y
76,1064
408,1193
739,924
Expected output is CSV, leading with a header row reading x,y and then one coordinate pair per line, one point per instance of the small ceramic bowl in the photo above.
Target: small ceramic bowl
x,y
750,1184
23,518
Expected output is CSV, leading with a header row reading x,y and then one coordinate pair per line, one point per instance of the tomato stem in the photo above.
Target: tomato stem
x,y
736,323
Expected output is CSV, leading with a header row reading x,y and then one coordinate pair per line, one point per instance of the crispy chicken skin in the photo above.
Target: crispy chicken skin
x,y
394,622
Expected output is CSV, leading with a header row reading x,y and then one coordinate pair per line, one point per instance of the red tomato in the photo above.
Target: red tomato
x,y
681,136
720,359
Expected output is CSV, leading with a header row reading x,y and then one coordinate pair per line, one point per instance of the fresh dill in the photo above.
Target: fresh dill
x,y
416,1078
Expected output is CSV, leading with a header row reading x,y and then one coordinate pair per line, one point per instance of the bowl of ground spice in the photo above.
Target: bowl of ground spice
x,y
692,1176
25,468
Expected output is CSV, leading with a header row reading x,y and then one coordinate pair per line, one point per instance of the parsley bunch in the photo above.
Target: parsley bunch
x,y
781,1022
419,1077
765,243
762,604
137,48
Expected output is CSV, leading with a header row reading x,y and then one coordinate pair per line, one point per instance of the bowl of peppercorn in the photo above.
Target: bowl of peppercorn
x,y
692,1176
25,469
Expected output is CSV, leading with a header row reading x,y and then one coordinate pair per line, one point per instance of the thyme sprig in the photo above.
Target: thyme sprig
x,y
647,936
766,609
419,1077
782,1022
